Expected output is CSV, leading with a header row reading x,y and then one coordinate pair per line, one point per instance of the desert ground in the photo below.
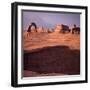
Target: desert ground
x,y
48,54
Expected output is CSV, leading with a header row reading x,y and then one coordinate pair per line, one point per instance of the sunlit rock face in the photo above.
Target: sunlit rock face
x,y
40,29
58,28
61,28
33,29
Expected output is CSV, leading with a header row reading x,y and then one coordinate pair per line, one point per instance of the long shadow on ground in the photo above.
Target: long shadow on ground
x,y
56,59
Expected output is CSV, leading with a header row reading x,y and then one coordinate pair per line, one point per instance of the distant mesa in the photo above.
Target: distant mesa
x,y
41,29
75,29
62,28
59,28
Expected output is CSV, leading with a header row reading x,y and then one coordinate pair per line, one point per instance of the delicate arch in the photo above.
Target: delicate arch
x,y
32,24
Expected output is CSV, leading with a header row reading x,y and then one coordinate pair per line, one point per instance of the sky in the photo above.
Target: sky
x,y
49,19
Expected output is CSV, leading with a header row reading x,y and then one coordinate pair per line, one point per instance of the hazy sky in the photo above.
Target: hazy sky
x,y
49,20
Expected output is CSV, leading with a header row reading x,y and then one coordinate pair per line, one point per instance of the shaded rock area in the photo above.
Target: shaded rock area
x,y
56,59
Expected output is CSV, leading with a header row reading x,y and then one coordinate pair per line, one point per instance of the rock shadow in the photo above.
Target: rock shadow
x,y
56,59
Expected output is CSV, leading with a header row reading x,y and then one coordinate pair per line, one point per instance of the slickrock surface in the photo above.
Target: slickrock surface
x,y
51,54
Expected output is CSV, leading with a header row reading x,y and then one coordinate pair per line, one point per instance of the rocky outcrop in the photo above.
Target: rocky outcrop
x,y
62,28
